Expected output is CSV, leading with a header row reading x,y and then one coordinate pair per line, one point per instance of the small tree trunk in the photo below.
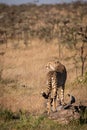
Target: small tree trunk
x,y
82,71
59,51
83,59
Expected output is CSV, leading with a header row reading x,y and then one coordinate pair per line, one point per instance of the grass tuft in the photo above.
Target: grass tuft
x,y
25,121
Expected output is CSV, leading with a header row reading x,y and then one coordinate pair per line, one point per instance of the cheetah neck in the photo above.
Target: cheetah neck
x,y
52,67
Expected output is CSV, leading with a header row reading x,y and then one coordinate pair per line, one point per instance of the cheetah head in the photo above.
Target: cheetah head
x,y
52,65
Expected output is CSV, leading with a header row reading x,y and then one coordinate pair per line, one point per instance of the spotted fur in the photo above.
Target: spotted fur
x,y
56,78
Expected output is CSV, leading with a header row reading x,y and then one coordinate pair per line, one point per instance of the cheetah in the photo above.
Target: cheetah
x,y
56,78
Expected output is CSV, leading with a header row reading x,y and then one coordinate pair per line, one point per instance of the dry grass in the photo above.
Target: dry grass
x,y
26,67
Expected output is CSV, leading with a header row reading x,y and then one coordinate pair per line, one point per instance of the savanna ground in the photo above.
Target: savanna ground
x,y
32,41
22,80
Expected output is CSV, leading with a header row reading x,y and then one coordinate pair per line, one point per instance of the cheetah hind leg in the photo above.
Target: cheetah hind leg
x,y
62,97
58,100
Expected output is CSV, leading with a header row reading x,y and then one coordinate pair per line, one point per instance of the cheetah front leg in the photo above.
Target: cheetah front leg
x,y
54,105
54,97
49,105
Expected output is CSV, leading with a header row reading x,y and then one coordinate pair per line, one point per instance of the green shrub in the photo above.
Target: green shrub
x,y
6,114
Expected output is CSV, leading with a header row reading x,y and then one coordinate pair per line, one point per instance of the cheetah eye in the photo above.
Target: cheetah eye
x,y
56,62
